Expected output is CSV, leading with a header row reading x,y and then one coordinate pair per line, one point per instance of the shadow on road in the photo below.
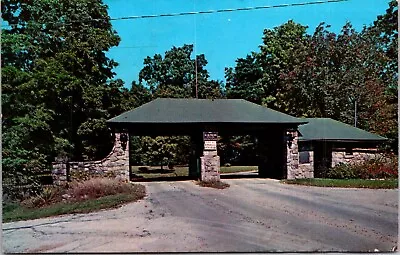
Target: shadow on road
x,y
159,179
138,178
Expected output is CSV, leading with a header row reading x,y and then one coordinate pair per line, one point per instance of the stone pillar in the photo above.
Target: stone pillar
x,y
118,160
210,167
292,158
272,154
59,172
210,161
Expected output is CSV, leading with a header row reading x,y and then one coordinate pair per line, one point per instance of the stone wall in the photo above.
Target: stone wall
x,y
358,156
308,167
339,156
294,170
115,164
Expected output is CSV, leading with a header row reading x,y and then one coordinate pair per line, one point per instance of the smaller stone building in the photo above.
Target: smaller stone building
x,y
324,143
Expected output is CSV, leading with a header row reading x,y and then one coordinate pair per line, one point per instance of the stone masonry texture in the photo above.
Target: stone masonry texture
x,y
115,164
339,156
293,169
210,168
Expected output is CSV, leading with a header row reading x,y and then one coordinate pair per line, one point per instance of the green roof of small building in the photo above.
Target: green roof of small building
x,y
326,129
176,111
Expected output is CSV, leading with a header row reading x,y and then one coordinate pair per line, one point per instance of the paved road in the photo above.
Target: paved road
x,y
251,215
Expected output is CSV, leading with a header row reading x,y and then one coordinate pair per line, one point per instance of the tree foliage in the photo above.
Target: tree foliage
x,y
57,82
173,75
350,76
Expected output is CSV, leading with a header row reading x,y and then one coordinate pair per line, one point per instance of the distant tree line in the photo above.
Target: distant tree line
x,y
58,85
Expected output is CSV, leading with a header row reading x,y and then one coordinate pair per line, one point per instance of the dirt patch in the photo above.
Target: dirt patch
x,y
215,184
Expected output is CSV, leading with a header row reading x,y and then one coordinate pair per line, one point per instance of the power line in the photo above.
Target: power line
x,y
226,10
196,12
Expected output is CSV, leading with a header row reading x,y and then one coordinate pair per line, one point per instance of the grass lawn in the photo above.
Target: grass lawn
x,y
349,183
17,212
184,171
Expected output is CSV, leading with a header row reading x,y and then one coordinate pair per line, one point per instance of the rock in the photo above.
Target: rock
x,y
66,196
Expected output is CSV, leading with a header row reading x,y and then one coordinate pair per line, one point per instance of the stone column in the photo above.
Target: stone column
x,y
210,167
210,161
59,172
292,162
117,162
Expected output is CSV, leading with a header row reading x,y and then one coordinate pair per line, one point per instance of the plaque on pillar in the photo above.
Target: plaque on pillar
x,y
210,145
210,136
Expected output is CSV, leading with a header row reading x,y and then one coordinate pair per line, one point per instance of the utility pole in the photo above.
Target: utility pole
x,y
195,48
355,112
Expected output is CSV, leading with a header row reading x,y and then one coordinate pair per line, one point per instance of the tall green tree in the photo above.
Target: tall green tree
x,y
257,77
57,78
350,76
175,75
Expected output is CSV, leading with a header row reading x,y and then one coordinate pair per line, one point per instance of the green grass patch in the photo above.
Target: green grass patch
x,y
17,212
235,169
184,171
346,183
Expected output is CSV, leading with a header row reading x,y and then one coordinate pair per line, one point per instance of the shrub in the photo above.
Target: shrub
x,y
97,187
378,168
214,184
78,191
342,171
49,195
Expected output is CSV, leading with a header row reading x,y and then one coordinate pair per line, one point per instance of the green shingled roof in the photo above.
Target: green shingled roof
x,y
168,110
331,130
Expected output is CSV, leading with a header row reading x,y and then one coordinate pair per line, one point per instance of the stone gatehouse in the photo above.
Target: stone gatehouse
x,y
280,137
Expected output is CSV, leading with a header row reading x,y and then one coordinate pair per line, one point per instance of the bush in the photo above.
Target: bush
x,y
213,184
78,191
49,195
378,168
97,187
342,171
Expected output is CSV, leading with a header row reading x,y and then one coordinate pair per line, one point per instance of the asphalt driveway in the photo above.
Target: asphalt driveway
x,y
251,215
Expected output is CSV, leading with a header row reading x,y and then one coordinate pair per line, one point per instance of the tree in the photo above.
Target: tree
x,y
61,45
54,59
160,150
257,77
351,77
244,81
175,75
171,76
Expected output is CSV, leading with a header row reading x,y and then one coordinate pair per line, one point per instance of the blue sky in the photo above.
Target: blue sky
x,y
222,37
